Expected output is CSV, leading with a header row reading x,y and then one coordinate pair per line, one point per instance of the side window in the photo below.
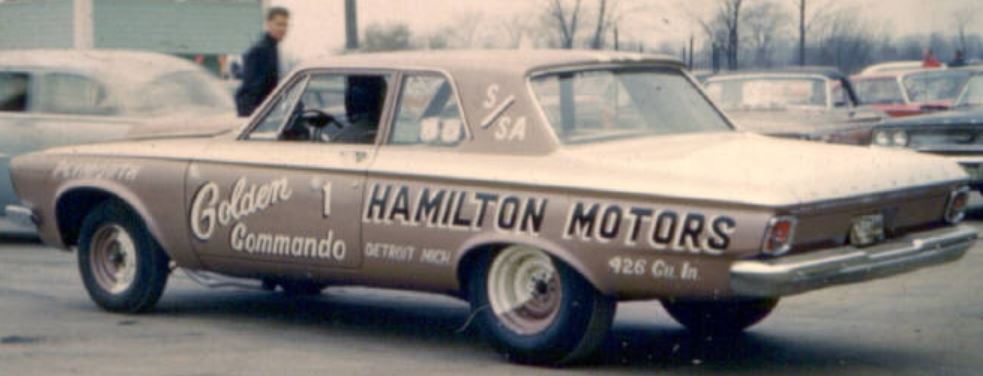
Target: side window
x,y
269,127
74,95
14,91
428,113
333,108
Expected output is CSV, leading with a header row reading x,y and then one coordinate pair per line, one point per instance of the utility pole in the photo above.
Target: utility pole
x,y
351,25
802,32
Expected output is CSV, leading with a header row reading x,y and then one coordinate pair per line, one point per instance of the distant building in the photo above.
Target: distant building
x,y
201,30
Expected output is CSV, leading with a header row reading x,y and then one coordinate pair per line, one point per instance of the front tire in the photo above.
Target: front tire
x,y
122,266
537,310
722,317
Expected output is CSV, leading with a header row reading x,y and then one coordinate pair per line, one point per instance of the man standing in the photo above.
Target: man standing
x,y
958,61
261,64
929,60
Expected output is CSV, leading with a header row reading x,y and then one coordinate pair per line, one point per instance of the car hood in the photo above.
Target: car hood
x,y
752,169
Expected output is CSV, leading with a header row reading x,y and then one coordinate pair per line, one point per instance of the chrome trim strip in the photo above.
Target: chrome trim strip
x,y
801,273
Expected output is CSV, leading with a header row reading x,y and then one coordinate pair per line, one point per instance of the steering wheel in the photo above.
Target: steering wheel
x,y
317,120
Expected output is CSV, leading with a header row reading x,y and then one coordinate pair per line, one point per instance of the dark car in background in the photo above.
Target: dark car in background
x,y
807,103
956,134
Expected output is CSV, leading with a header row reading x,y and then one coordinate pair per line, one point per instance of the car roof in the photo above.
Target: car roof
x,y
512,61
115,63
828,72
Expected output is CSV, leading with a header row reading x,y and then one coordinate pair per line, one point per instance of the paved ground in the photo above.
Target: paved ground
x,y
926,323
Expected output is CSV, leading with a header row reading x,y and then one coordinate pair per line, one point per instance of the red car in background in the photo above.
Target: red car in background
x,y
907,93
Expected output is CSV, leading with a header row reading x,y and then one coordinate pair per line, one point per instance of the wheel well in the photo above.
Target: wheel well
x,y
467,263
72,208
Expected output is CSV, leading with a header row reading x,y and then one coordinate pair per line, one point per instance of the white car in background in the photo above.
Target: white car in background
x,y
53,98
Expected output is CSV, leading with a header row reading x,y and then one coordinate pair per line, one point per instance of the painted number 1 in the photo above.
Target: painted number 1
x,y
326,194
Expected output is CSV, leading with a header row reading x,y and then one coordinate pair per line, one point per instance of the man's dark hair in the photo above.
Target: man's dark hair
x,y
277,11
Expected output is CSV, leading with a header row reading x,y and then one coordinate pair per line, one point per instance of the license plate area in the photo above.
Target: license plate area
x,y
867,230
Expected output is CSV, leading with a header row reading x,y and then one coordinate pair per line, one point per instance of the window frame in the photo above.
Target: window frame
x,y
391,124
306,75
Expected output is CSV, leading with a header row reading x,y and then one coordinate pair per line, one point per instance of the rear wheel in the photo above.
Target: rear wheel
x,y
729,316
122,266
536,309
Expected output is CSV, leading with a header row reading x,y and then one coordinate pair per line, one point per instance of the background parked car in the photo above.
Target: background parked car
x,y
956,134
812,103
907,93
61,97
894,66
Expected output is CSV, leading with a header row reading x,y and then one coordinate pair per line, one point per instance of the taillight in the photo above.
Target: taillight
x,y
778,236
955,210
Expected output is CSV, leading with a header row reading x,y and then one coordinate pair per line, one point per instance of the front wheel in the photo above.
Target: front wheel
x,y
728,316
122,266
537,310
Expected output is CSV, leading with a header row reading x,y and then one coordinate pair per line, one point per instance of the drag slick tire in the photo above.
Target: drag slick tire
x,y
536,309
122,266
721,317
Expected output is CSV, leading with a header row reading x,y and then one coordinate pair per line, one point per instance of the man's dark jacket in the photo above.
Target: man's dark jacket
x,y
260,75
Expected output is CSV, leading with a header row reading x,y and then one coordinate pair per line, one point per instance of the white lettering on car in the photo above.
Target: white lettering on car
x,y
655,268
125,172
246,199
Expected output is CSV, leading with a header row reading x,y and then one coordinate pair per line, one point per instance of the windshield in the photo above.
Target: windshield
x,y
935,86
192,91
599,105
972,95
879,91
768,93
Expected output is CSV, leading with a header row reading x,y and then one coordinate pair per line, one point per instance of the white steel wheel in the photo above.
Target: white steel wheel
x,y
537,309
524,289
123,267
113,259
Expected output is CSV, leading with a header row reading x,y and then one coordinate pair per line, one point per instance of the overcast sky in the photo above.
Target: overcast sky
x,y
318,25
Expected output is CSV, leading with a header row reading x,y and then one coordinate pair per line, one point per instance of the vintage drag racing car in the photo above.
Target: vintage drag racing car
x,y
541,186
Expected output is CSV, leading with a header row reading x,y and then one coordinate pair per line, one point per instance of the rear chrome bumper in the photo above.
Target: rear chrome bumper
x,y
801,273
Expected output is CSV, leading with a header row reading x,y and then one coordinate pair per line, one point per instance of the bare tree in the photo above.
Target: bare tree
x,y
388,37
565,20
764,22
597,42
723,30
515,28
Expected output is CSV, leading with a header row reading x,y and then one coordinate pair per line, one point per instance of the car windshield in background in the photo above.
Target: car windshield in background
x,y
935,86
182,91
768,93
972,95
879,91
599,105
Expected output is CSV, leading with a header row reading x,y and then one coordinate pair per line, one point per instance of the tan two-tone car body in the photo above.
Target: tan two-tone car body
x,y
543,186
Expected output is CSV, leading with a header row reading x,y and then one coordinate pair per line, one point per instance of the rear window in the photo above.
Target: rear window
x,y
596,105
